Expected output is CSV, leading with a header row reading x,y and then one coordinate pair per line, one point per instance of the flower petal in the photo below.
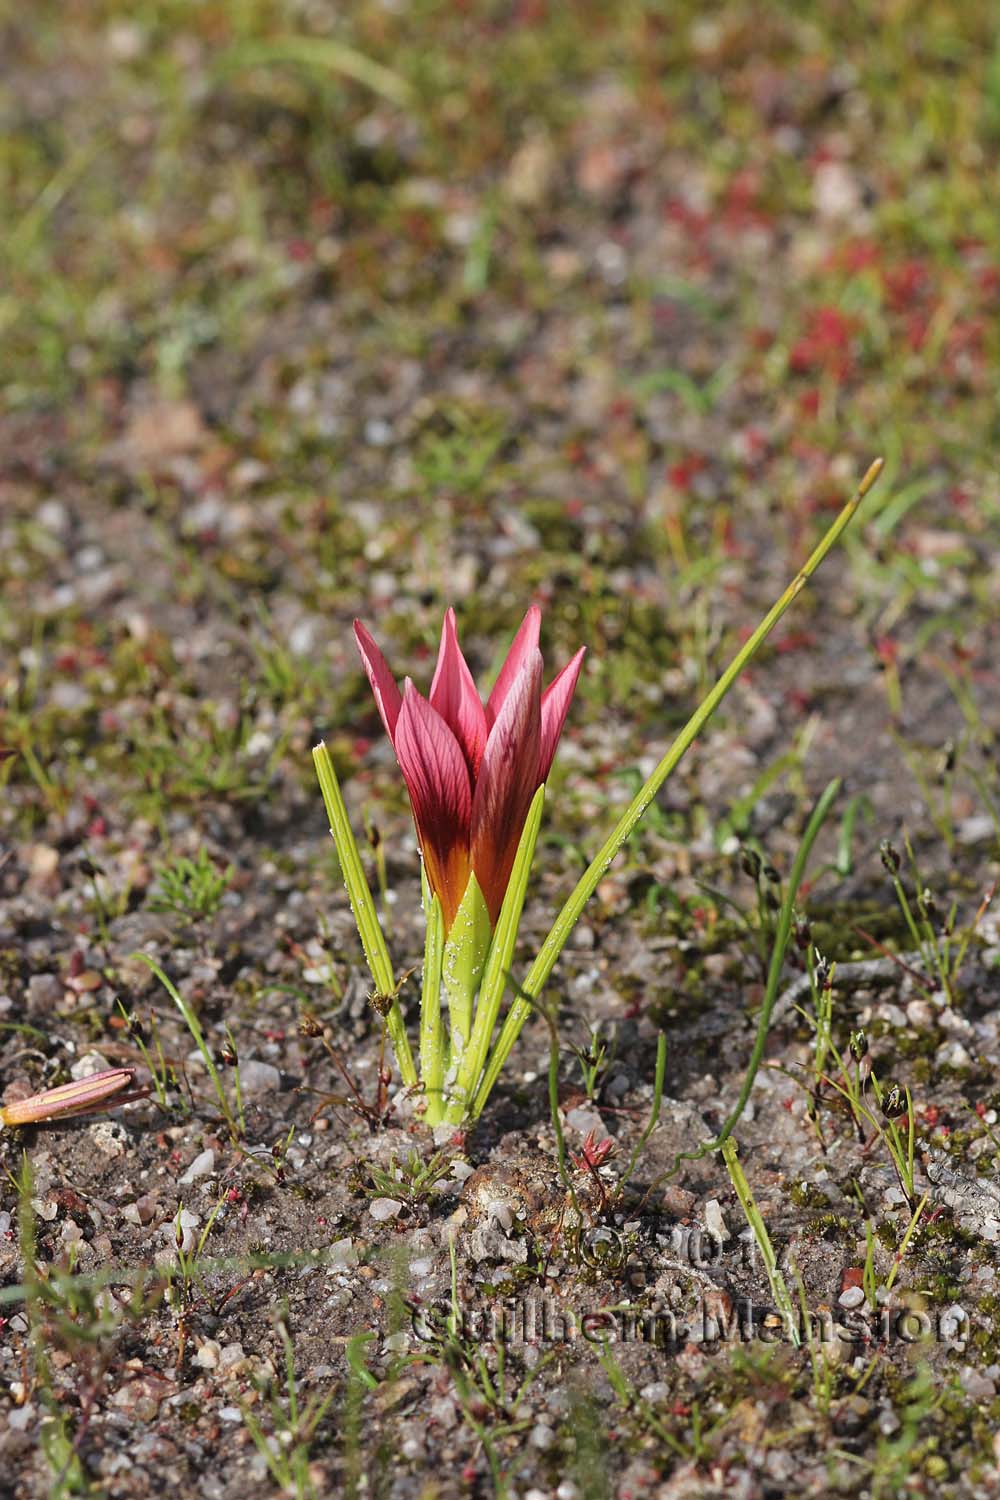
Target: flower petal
x,y
522,645
555,705
454,695
387,694
437,779
508,780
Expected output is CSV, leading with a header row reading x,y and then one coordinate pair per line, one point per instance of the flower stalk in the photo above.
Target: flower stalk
x,y
476,777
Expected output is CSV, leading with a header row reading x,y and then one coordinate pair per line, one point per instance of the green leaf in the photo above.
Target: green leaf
x,y
431,1030
365,915
322,53
499,962
465,951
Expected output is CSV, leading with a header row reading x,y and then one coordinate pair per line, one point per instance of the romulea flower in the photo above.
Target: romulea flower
x,y
83,1097
472,769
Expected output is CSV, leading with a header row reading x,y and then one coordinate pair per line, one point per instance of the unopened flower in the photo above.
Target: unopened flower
x,y
594,1152
85,1096
472,769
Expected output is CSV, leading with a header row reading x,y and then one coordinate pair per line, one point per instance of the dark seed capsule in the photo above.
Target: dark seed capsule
x,y
228,1056
858,1045
890,857
750,860
771,874
310,1026
803,934
893,1102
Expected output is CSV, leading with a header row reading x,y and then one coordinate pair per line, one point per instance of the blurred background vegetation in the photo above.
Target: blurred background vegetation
x,y
377,305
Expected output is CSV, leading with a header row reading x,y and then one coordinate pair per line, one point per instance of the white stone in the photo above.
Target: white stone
x,y
258,1077
87,1065
203,1163
384,1208
342,1253
715,1221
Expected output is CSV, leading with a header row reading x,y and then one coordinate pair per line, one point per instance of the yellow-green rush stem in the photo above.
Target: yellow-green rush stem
x,y
365,915
589,880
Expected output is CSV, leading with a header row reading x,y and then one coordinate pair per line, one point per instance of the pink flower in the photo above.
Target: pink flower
x,y
471,770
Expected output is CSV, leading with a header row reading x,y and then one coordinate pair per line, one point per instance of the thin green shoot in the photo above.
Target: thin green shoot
x,y
779,1287
233,1121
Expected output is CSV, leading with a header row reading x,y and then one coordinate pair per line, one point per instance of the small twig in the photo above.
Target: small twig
x,y
899,959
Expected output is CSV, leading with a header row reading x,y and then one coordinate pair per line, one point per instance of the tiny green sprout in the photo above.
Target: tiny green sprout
x,y
191,888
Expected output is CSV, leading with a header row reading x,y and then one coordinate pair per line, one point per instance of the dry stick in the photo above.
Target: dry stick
x,y
588,882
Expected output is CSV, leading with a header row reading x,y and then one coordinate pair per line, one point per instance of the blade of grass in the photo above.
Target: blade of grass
x,y
193,1025
322,53
779,1287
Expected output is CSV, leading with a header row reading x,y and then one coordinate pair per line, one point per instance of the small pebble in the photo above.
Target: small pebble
x,y
207,1357
852,1297
203,1163
258,1077
715,1221
44,992
384,1208
342,1253
587,1122
976,1385
109,1138
953,1055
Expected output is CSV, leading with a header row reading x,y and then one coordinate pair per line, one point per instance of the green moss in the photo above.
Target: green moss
x,y
807,1195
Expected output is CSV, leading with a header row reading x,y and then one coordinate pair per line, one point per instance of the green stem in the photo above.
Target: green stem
x,y
497,971
365,915
779,1288
589,881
